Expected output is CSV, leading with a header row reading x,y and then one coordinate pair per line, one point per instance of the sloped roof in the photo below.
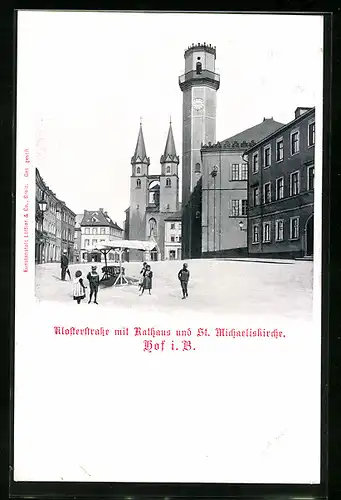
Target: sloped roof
x,y
175,216
140,154
256,133
170,151
97,218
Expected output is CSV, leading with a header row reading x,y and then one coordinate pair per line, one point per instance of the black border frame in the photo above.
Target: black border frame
x,y
145,490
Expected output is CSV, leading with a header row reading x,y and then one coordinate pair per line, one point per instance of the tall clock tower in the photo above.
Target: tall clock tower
x,y
199,85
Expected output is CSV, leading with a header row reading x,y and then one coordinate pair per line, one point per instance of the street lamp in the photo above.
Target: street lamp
x,y
241,226
42,204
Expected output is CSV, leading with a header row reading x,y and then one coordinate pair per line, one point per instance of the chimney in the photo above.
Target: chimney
x,y
101,210
299,111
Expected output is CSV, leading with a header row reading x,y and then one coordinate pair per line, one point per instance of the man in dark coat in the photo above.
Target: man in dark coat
x,y
183,276
64,264
93,279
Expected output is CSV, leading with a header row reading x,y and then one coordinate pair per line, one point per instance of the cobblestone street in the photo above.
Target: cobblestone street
x,y
220,286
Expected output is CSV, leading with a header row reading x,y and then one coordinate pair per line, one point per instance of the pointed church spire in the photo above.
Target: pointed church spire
x,y
170,151
140,155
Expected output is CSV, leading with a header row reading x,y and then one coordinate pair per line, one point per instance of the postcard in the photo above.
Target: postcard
x,y
168,247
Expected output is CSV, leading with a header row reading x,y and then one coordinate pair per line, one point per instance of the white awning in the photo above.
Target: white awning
x,y
108,245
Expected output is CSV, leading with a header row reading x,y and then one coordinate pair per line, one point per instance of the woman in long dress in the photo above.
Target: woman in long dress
x,y
147,280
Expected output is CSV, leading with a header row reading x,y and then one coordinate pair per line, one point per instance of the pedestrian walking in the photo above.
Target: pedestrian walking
x,y
144,265
64,264
93,279
183,276
78,287
147,280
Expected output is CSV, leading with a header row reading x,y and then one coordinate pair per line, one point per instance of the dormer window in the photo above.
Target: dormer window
x,y
138,183
94,219
138,170
168,182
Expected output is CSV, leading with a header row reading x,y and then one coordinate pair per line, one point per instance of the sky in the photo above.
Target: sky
x,y
90,76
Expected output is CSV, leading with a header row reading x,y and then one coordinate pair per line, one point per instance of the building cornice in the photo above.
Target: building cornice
x,y
227,146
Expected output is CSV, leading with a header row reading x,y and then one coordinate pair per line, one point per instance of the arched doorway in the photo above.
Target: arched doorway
x,y
309,235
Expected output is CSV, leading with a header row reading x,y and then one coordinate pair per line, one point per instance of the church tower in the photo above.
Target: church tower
x,y
199,85
169,178
138,190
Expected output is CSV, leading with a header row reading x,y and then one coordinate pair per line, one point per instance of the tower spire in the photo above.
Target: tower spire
x,y
140,155
170,151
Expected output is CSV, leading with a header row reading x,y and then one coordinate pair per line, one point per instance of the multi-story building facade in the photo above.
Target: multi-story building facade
x,y
50,241
281,190
173,236
78,238
97,227
67,229
152,198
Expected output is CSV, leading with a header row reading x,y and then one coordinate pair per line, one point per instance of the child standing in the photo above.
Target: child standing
x,y
183,276
78,287
93,279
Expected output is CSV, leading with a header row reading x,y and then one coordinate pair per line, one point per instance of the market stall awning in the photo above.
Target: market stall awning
x,y
108,245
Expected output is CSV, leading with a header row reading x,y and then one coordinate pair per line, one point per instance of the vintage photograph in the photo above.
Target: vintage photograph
x,y
211,190
175,169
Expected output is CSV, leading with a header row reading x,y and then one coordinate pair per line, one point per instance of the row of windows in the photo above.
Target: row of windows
x,y
168,170
94,230
167,207
93,243
279,152
176,239
51,228
102,230
168,183
294,231
294,187
53,207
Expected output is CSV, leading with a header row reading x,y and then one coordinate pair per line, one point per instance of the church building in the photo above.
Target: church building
x,y
153,198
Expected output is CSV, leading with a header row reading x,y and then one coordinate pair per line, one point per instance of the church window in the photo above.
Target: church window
x,y
199,68
197,168
138,183
168,169
168,182
138,170
152,227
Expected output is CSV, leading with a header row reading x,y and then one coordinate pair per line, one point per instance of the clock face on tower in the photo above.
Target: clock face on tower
x,y
198,103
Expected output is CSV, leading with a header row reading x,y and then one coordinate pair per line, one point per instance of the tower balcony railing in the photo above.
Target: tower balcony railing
x,y
193,75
